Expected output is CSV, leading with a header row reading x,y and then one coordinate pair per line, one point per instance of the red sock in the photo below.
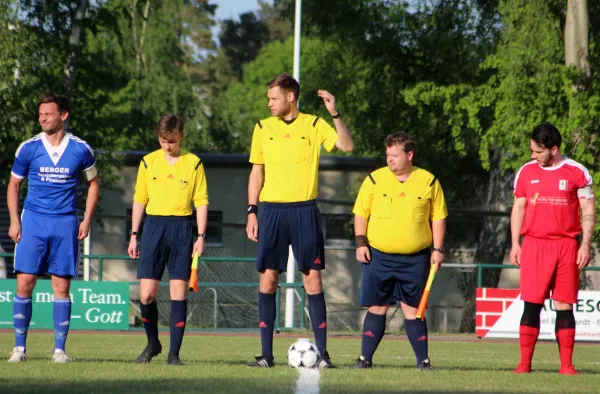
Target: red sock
x,y
527,339
566,341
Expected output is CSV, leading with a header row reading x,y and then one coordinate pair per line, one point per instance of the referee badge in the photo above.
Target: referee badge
x,y
562,184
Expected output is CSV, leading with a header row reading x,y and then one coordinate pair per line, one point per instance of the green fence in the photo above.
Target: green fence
x,y
227,297
209,287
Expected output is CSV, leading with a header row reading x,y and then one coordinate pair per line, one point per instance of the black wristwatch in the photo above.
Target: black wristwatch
x,y
441,250
336,115
252,208
201,235
132,233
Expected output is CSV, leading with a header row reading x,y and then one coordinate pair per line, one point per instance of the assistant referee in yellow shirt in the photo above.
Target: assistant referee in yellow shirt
x,y
399,212
169,180
285,154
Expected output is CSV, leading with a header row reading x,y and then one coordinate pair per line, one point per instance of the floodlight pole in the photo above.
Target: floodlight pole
x,y
291,264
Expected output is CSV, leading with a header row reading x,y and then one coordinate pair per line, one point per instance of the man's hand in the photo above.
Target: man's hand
x,y
133,249
437,258
252,227
515,255
363,254
84,229
329,100
583,256
198,246
14,232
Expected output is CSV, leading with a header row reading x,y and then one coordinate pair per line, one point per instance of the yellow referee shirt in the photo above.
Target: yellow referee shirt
x,y
169,189
399,212
290,154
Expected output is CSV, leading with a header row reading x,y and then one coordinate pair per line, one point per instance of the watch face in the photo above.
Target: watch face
x,y
249,209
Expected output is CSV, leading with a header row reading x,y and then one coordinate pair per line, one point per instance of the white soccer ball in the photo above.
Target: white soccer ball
x,y
303,354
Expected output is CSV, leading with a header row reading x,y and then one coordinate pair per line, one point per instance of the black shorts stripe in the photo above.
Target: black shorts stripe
x,y
315,122
372,180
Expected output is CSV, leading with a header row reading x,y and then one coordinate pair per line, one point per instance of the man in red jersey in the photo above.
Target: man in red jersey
x,y
549,192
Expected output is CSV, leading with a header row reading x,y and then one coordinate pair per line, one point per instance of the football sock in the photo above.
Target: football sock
x,y
62,320
266,314
529,330
178,319
373,330
416,331
150,320
22,310
318,317
565,335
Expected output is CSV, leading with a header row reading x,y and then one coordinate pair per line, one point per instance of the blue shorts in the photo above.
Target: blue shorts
x,y
391,278
48,244
166,240
283,224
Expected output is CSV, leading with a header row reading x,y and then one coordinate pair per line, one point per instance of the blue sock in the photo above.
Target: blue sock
x,y
416,330
266,314
22,310
318,316
373,330
178,319
150,319
62,320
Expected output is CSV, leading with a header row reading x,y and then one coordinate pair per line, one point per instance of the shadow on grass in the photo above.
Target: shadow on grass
x,y
192,385
242,364
468,368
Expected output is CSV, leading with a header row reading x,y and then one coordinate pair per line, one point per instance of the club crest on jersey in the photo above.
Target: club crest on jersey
x,y
562,184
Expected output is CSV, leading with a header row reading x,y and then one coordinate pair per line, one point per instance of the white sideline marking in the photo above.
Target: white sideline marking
x,y
308,381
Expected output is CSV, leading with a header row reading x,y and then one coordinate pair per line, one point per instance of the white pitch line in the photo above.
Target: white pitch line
x,y
308,382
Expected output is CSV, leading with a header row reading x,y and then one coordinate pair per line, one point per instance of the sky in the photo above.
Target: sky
x,y
230,9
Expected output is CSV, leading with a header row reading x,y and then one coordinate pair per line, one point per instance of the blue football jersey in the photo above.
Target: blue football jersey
x,y
53,172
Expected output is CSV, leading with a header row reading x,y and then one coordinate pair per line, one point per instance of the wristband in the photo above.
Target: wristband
x,y
336,115
252,208
361,240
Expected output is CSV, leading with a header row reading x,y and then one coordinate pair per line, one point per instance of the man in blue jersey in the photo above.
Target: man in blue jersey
x,y
48,233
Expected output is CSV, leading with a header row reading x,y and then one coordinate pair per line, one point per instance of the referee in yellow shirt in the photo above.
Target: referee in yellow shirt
x,y
285,154
399,212
168,181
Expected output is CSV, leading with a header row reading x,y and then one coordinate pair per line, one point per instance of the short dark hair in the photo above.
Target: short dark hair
x,y
287,83
547,136
402,139
62,102
169,124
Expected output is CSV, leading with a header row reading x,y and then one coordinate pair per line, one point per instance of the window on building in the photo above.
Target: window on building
x,y
214,228
338,228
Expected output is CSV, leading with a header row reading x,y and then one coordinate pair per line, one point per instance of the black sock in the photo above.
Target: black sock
x,y
266,314
318,316
373,330
416,330
178,319
150,319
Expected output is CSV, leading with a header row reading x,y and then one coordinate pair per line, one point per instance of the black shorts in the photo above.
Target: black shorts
x,y
283,224
166,240
391,278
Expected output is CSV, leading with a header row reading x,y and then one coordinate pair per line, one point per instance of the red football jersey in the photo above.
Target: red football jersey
x,y
552,209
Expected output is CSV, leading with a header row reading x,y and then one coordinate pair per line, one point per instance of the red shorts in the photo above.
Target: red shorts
x,y
549,265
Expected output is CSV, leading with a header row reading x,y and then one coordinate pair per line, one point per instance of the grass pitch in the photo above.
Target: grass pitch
x,y
103,363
